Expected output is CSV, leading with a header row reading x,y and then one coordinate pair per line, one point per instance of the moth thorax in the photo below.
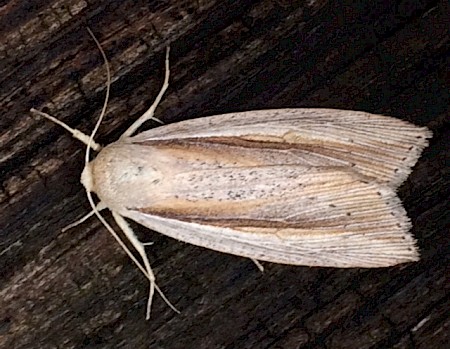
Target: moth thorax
x,y
86,177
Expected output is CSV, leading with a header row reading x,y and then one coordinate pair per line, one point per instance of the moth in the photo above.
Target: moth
x,y
314,187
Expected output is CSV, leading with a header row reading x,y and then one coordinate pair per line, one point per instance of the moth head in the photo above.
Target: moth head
x,y
87,178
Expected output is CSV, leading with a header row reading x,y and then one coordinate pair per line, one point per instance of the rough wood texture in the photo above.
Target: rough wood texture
x,y
78,290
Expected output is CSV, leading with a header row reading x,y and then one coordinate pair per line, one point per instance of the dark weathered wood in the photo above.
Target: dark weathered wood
x,y
78,290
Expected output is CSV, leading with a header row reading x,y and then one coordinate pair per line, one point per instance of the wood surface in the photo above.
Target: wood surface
x,y
78,289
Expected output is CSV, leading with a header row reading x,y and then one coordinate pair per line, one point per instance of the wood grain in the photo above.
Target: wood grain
x,y
78,290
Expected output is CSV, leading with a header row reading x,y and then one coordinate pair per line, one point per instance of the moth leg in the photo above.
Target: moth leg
x,y
151,111
100,206
75,133
258,265
140,248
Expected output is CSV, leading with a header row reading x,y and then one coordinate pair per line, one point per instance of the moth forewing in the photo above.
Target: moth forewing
x,y
298,215
378,146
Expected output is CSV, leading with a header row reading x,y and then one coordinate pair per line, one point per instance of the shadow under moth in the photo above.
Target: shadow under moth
x,y
313,187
